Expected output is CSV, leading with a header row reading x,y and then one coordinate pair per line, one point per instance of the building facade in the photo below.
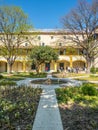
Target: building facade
x,y
70,55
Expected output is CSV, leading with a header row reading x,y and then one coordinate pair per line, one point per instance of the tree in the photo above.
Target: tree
x,y
82,22
13,24
42,54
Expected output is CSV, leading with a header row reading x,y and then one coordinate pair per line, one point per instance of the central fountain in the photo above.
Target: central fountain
x,y
62,82
49,80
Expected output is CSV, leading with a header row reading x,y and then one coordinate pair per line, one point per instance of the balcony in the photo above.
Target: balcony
x,y
64,57
74,58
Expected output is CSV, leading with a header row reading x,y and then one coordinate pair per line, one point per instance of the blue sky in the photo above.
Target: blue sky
x,y
44,13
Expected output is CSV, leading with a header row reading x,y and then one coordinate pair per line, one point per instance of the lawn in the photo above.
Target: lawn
x,y
21,76
67,75
79,107
78,76
18,106
91,77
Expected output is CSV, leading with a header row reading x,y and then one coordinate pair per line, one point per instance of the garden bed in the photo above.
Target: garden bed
x,y
18,107
78,107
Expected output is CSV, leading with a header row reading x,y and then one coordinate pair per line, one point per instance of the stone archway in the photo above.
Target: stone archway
x,y
63,63
3,66
17,67
80,64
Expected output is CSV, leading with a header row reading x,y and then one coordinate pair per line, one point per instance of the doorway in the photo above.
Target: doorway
x,y
61,66
47,66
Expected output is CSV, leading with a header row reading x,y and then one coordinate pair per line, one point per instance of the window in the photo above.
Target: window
x,y
62,52
14,38
43,44
60,44
33,67
39,37
51,37
77,37
64,37
26,44
84,52
95,36
1,38
26,37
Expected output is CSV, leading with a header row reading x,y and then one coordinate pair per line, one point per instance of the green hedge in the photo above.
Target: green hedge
x,y
76,94
1,77
89,89
7,83
93,70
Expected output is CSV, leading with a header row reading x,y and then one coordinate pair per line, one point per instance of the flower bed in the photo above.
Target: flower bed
x,y
79,107
18,107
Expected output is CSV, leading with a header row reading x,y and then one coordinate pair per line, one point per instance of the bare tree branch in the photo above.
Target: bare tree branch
x,y
82,23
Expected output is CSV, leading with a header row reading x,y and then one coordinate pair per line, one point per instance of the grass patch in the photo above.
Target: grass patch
x,y
18,106
67,75
7,83
79,107
21,76
11,77
30,75
14,78
27,74
89,78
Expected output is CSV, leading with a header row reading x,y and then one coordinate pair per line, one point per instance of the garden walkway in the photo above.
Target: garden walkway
x,y
48,115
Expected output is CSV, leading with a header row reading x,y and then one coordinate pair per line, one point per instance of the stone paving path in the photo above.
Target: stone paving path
x,y
48,115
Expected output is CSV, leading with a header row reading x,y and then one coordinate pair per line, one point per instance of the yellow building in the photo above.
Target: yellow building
x,y
70,55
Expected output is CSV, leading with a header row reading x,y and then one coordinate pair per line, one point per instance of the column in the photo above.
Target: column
x,y
24,66
40,68
8,69
71,65
55,66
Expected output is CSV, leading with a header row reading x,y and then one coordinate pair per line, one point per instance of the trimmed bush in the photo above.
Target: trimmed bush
x,y
96,69
89,89
67,93
40,75
93,70
7,83
1,77
31,74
